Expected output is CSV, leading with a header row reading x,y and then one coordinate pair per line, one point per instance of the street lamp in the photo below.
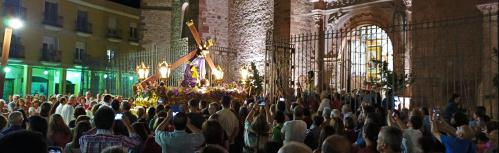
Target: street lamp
x,y
244,73
164,70
218,73
11,24
143,71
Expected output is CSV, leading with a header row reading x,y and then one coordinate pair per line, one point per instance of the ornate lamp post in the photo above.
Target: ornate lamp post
x,y
245,74
218,75
11,24
164,71
142,71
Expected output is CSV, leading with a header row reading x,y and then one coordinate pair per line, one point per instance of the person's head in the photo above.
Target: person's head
x,y
80,129
279,117
345,109
16,142
193,104
349,123
213,149
389,140
104,118
141,129
16,118
479,113
326,113
317,120
56,124
79,111
295,147
370,132
115,104
45,109
416,122
458,119
36,103
226,101
213,132
108,98
213,108
72,99
62,100
141,112
281,106
326,131
82,118
455,98
126,106
298,112
95,108
272,147
336,144
202,104
3,122
114,149
465,132
235,105
38,124
180,121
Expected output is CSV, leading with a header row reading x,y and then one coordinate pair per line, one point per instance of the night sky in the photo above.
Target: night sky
x,y
131,3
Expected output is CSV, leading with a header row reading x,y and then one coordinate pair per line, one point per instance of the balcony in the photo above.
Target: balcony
x,y
14,10
133,41
16,50
51,55
52,22
113,35
83,29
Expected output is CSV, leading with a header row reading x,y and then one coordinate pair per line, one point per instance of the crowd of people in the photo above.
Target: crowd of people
x,y
310,123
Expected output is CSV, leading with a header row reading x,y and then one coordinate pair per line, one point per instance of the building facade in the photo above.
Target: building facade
x,y
66,46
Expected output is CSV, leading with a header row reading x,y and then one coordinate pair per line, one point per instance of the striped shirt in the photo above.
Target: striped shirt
x,y
105,138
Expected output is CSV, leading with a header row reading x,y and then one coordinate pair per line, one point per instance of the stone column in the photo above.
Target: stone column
x,y
487,91
27,75
319,6
62,81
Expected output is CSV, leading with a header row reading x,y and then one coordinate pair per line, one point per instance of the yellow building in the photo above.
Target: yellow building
x,y
66,46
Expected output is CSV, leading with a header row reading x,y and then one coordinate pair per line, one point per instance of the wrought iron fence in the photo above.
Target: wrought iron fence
x,y
432,59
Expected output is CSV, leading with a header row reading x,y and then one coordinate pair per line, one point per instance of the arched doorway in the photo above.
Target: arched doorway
x,y
365,49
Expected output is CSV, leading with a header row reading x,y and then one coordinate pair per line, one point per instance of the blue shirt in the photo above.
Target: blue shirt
x,y
178,141
457,145
12,129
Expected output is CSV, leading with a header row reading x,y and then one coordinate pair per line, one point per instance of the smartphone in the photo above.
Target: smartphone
x,y
175,108
262,103
175,113
437,113
282,99
53,149
118,116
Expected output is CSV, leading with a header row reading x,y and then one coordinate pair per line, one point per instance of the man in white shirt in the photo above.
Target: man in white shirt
x,y
325,102
62,101
296,129
68,109
228,119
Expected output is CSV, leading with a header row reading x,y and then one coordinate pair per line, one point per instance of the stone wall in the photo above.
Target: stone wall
x,y
300,22
155,19
249,22
445,53
214,21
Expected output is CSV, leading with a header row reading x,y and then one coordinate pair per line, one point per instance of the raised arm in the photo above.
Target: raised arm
x,y
165,122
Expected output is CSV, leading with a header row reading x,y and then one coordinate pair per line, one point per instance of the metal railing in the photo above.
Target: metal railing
x,y
52,20
113,33
83,26
50,55
439,58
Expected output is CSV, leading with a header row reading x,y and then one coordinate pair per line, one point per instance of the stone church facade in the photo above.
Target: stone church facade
x,y
447,46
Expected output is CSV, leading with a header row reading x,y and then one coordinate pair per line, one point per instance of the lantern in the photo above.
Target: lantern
x,y
164,70
142,71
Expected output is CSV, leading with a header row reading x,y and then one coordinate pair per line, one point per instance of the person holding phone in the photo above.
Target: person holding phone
x,y
104,119
456,140
179,140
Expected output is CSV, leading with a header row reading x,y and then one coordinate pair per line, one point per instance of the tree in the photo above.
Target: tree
x,y
390,80
257,80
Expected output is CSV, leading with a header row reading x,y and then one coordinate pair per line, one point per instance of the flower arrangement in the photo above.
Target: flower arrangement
x,y
150,95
